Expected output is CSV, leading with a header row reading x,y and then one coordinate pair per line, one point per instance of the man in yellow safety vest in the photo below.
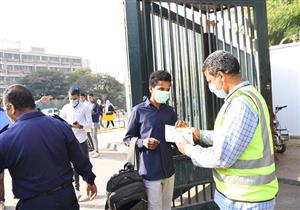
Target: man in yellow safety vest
x,y
241,152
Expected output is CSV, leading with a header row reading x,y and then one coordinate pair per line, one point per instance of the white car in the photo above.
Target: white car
x,y
50,111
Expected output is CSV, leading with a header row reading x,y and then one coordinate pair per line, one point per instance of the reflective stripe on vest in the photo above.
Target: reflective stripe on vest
x,y
267,174
246,180
267,158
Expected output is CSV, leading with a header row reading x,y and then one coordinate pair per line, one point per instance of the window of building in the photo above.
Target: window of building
x,y
36,57
55,59
45,58
10,67
12,56
27,57
76,60
41,68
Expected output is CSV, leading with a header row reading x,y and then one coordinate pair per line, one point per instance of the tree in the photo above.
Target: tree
x,y
46,82
57,84
103,86
283,21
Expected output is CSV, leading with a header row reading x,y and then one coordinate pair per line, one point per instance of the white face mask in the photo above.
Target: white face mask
x,y
74,102
161,96
220,93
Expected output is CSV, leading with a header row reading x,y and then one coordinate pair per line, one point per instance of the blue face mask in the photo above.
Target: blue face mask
x,y
74,102
220,93
161,96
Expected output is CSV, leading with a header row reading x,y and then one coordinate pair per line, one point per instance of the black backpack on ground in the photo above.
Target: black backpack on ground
x,y
126,190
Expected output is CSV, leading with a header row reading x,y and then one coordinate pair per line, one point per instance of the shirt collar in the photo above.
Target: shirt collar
x,y
242,84
148,104
29,115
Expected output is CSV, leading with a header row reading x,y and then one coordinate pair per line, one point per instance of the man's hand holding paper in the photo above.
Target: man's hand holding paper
x,y
177,135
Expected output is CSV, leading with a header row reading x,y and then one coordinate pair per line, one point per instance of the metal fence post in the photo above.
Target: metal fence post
x,y
134,52
261,25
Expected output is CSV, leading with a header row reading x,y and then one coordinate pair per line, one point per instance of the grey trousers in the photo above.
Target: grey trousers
x,y
95,129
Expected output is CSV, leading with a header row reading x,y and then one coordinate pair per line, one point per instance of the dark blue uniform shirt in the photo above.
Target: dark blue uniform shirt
x,y
95,112
37,150
147,121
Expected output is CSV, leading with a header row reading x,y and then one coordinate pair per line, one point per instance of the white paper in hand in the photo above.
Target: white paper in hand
x,y
176,135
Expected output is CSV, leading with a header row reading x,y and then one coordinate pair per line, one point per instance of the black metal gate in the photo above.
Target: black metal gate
x,y
177,35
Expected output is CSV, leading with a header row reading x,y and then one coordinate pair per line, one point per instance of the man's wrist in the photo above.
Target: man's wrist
x,y
80,126
91,183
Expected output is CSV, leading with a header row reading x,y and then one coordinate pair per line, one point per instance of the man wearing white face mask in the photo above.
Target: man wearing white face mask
x,y
241,152
79,116
147,123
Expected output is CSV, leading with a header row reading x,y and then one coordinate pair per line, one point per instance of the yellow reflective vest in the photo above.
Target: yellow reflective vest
x,y
252,177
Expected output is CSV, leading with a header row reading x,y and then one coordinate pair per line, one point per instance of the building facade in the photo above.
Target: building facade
x,y
14,64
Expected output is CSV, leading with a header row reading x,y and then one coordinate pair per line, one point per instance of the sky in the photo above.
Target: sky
x,y
92,29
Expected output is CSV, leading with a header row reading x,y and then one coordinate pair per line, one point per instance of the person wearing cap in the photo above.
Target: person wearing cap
x,y
241,152
79,116
38,151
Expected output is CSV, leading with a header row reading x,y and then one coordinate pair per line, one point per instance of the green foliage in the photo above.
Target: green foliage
x,y
102,86
283,20
48,82
57,84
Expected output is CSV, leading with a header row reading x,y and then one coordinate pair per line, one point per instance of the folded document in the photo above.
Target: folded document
x,y
176,135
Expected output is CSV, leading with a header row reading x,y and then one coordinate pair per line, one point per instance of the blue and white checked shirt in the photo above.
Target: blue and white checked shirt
x,y
229,142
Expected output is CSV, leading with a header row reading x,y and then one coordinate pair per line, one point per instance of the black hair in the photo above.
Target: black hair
x,y
82,94
19,96
91,94
221,61
157,76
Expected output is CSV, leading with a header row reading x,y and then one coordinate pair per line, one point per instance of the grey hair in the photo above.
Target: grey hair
x,y
221,61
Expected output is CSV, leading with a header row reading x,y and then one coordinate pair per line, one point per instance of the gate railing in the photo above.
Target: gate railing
x,y
177,35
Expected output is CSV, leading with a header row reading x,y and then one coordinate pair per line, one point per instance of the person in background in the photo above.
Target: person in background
x,y
90,143
79,116
99,102
83,99
241,152
43,100
39,159
95,109
110,110
147,122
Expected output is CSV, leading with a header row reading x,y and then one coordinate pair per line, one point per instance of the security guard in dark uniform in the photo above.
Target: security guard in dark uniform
x,y
38,151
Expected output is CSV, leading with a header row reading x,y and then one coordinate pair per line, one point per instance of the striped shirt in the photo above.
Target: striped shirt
x,y
228,144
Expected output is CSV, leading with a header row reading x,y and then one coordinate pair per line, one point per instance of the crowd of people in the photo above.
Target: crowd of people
x,y
43,153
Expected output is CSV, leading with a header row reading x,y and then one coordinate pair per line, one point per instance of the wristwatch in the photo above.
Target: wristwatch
x,y
80,127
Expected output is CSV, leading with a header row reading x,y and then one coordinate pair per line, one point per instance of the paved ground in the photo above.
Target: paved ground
x,y
113,157
288,172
